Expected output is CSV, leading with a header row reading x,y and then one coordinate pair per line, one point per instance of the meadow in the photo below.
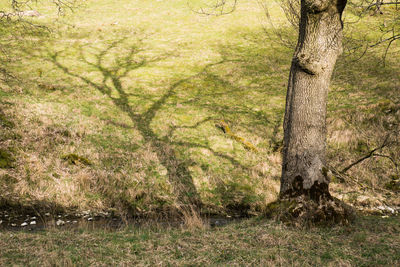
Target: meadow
x,y
117,107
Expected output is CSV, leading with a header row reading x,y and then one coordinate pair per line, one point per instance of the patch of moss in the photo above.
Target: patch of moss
x,y
8,179
394,184
7,183
48,87
278,208
4,122
9,135
76,159
362,146
334,179
6,159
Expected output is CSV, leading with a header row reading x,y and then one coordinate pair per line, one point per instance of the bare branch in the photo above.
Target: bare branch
x,y
379,3
370,154
217,9
18,7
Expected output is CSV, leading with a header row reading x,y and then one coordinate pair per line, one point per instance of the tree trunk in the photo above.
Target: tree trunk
x,y
319,45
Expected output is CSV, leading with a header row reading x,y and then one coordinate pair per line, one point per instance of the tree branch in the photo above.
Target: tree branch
x,y
378,4
370,154
218,9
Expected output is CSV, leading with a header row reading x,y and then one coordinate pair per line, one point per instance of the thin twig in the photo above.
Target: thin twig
x,y
218,9
370,154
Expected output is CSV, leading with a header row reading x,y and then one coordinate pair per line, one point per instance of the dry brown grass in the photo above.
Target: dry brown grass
x,y
57,114
192,219
371,241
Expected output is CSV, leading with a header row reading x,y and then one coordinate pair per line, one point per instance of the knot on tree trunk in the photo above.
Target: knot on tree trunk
x,y
317,6
309,64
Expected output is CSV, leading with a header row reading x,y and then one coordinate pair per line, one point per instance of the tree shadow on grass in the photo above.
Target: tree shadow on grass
x,y
167,145
178,173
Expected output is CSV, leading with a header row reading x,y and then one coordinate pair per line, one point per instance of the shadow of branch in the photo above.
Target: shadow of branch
x,y
178,173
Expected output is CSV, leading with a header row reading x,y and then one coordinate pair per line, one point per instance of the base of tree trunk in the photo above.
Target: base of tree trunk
x,y
304,211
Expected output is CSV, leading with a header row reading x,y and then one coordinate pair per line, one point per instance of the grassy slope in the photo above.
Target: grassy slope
x,y
370,242
185,72
136,87
179,82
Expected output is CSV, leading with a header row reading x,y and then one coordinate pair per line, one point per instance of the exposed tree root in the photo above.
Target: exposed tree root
x,y
304,212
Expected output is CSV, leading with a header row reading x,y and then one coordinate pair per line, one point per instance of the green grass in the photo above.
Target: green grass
x,y
136,88
254,242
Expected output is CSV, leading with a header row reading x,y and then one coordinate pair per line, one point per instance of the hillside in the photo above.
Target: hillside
x,y
118,107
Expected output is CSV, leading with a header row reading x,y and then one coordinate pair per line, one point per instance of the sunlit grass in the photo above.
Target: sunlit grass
x,y
137,88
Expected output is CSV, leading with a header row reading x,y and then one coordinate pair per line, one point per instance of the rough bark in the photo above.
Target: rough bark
x,y
319,45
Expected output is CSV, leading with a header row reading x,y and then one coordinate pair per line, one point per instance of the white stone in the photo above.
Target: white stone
x,y
24,224
47,214
90,219
33,223
86,212
33,218
13,224
60,222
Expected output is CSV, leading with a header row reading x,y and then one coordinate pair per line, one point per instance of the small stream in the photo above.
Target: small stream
x,y
32,222
12,221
